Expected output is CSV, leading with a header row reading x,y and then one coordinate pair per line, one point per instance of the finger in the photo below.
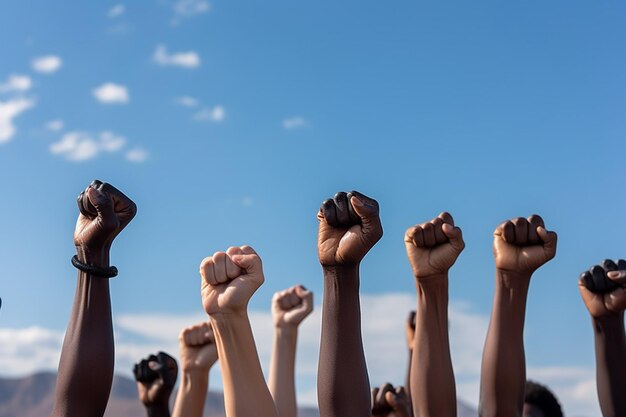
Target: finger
x,y
621,264
307,298
609,265
330,213
354,218
293,299
341,209
549,240
136,371
417,236
232,270
587,281
455,236
446,217
508,232
521,231
207,272
534,222
219,266
440,236
104,208
599,280
618,277
411,319
382,394
374,398
368,211
429,235
249,261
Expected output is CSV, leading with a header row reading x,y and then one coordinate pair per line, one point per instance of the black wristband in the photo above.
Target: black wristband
x,y
109,272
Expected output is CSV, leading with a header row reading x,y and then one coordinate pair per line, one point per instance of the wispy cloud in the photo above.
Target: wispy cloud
x,y
111,93
55,125
188,59
137,155
47,64
82,146
215,114
187,101
16,83
188,8
295,122
9,110
116,11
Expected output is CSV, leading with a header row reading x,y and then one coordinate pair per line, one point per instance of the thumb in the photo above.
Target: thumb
x,y
454,235
368,211
549,240
250,263
103,205
307,298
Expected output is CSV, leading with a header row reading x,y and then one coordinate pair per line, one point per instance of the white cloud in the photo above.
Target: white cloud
x,y
9,110
188,59
187,101
55,125
47,64
82,146
25,351
137,155
116,10
111,93
295,122
189,8
215,114
16,83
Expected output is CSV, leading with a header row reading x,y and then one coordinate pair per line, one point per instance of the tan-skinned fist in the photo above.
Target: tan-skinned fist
x,y
522,245
198,351
229,279
434,246
291,306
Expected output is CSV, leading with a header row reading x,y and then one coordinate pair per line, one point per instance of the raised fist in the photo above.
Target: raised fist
x,y
291,306
104,213
348,228
409,328
156,377
198,351
523,245
603,288
390,402
229,279
433,247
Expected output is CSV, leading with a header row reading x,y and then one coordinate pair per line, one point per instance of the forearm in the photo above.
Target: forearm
x,y
407,381
282,371
245,391
503,373
342,384
160,410
191,394
86,366
610,344
432,379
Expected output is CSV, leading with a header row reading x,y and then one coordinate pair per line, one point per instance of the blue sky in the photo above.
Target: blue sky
x,y
230,122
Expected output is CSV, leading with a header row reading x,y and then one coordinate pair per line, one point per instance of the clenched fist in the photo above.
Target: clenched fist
x,y
156,376
198,351
348,228
229,279
104,213
523,245
433,247
603,288
390,402
291,306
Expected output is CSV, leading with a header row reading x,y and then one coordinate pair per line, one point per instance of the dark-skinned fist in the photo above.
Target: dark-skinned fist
x,y
156,376
603,288
390,402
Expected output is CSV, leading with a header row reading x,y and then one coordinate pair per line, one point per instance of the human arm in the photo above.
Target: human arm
x,y
198,353
603,289
432,249
85,370
229,279
156,377
520,247
349,225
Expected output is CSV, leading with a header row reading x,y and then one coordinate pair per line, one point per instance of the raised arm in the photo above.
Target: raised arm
x,y
409,328
289,308
348,228
229,279
603,289
86,366
388,401
156,377
520,247
198,354
432,248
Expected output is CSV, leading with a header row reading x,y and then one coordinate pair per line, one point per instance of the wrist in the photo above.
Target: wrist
x,y
286,330
609,323
512,279
341,270
97,257
194,377
158,410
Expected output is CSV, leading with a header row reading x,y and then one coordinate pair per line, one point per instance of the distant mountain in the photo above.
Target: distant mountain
x,y
33,396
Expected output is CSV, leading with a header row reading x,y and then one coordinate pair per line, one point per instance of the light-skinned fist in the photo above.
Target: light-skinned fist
x,y
603,288
229,279
291,306
434,246
198,352
522,245
390,402
349,225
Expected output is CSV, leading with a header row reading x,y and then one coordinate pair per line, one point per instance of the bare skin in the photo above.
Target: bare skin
x,y
86,366
198,353
409,328
349,226
156,377
520,247
229,279
603,289
289,308
388,401
432,249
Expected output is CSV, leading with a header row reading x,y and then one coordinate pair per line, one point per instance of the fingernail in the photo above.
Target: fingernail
x,y
355,200
303,287
613,274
